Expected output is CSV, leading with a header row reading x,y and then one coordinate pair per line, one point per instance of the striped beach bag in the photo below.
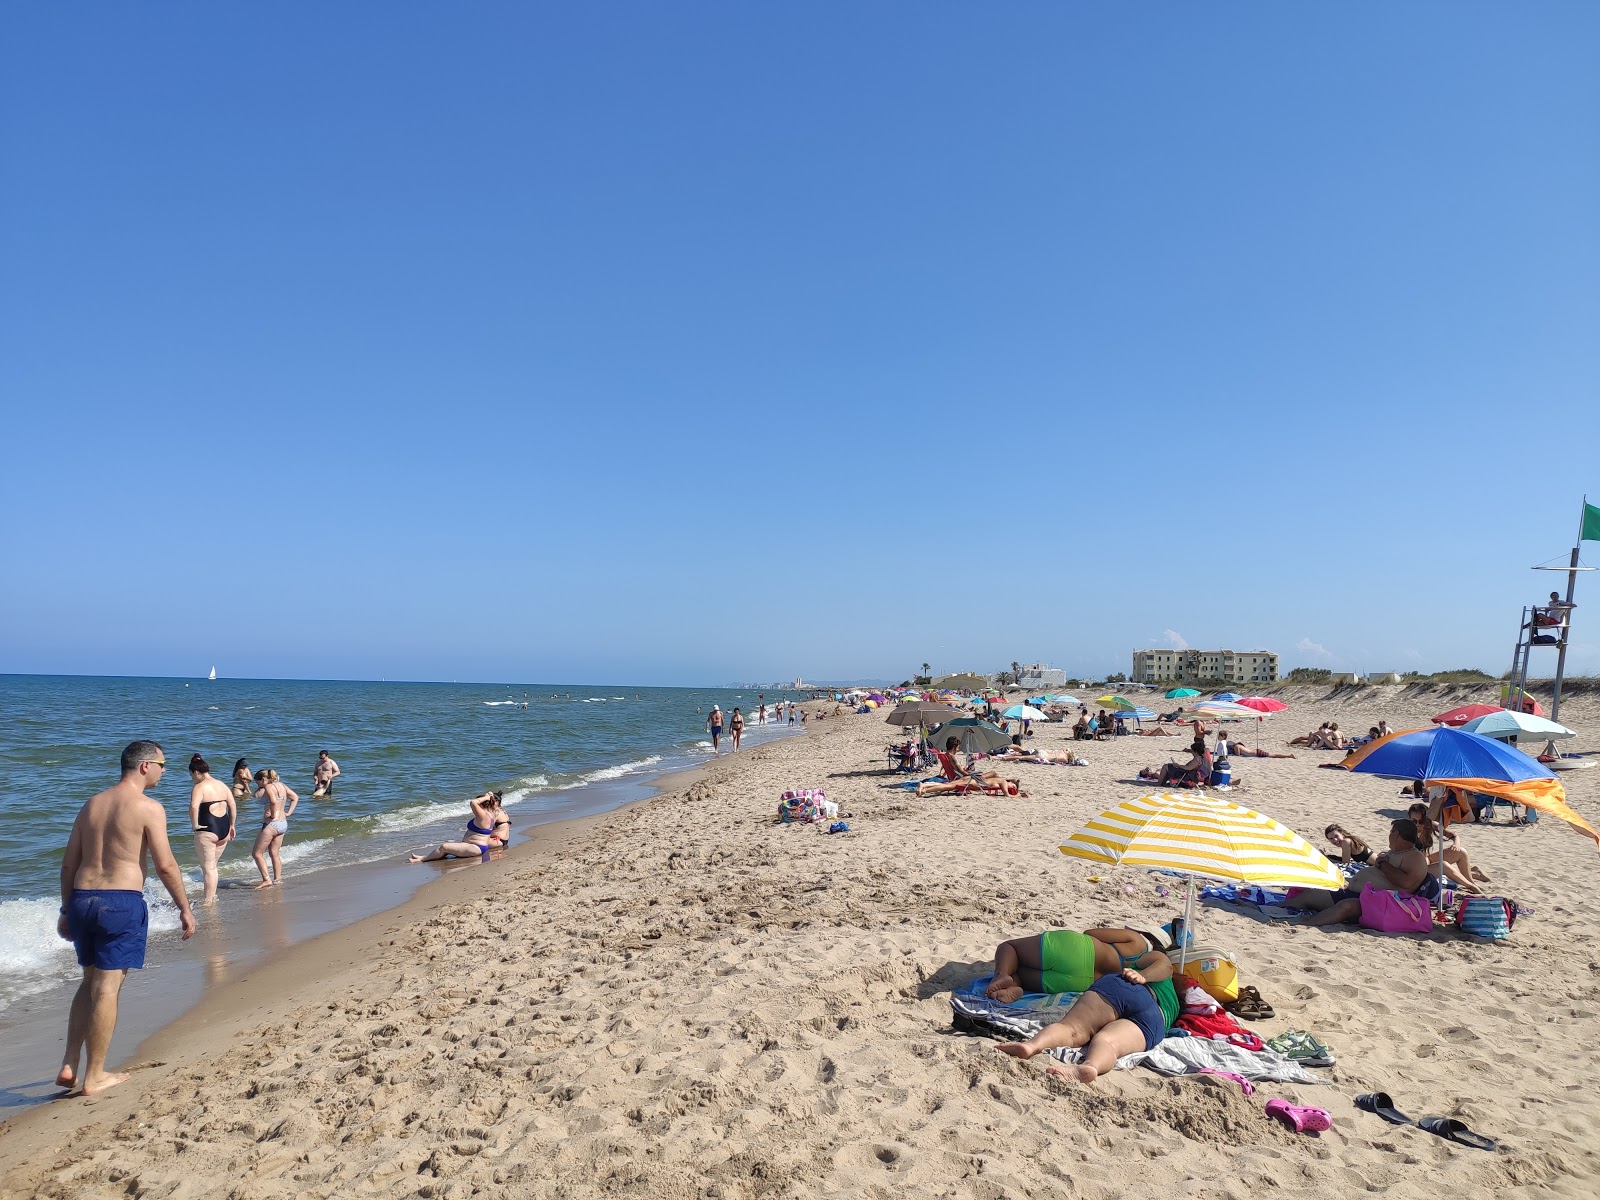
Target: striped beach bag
x,y
1487,917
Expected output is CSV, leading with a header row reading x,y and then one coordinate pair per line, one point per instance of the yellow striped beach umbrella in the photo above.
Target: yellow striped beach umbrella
x,y
1199,835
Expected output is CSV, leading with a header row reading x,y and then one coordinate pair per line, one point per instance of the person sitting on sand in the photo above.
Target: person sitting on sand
x,y
1314,738
1080,729
1403,867
1119,1014
1102,726
1064,960
958,780
1458,867
489,829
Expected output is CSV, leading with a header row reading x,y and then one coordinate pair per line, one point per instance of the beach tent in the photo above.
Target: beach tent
x,y
1460,716
1196,835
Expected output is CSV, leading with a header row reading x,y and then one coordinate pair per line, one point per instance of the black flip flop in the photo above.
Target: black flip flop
x,y
1380,1104
1453,1130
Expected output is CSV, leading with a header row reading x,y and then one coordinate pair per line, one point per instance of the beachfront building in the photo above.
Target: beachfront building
x,y
1036,677
1234,666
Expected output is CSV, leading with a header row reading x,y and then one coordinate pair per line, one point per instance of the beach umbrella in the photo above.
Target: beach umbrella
x,y
877,697
1507,724
1227,697
1221,710
1468,762
1202,836
1023,712
1460,716
920,712
977,735
1115,702
1181,693
1263,704
1515,697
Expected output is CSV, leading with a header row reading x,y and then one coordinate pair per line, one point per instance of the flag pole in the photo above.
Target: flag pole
x,y
1566,630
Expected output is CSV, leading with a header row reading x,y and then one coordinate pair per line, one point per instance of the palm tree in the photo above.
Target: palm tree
x,y
926,668
1016,671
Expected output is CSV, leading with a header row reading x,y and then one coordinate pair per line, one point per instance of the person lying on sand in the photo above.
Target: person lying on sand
x,y
1157,731
1119,1014
489,829
1016,753
956,779
1402,867
1064,960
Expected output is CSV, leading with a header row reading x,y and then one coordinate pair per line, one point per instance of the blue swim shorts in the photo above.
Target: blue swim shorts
x,y
1133,1002
109,928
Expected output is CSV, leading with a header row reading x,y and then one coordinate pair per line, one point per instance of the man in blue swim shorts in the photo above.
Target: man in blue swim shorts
x,y
1120,1014
102,906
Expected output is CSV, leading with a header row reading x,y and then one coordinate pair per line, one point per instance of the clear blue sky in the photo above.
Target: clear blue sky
x,y
679,343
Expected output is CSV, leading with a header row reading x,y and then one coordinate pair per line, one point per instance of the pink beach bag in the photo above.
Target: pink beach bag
x,y
1390,911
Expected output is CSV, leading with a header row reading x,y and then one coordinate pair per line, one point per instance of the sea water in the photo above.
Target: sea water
x,y
410,754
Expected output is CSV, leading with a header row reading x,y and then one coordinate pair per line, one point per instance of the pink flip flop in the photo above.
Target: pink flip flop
x,y
1249,1088
1298,1118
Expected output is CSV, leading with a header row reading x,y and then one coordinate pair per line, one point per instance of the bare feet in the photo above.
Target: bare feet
x,y
103,1083
1081,1072
1480,876
415,858
1017,1049
265,883
68,1078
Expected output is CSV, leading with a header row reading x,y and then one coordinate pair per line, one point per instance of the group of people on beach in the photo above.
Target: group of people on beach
x,y
783,712
214,813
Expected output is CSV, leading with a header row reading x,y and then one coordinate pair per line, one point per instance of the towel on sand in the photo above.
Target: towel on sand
x,y
973,1012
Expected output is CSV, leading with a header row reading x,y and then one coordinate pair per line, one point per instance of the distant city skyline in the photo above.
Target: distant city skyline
x,y
676,343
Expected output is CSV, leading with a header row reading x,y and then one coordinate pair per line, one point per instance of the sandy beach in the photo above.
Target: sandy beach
x,y
683,999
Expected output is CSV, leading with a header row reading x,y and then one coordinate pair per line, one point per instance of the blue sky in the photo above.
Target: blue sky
x,y
685,343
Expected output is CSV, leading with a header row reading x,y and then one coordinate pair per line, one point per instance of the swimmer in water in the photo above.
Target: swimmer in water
x,y
489,829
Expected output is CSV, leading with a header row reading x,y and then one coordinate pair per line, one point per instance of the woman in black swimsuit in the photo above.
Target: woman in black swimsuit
x,y
212,813
489,829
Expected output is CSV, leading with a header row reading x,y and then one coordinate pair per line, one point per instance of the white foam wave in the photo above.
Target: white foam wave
x,y
498,703
618,771
595,700
524,788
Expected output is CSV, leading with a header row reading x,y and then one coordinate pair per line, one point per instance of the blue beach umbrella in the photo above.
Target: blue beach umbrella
x,y
1228,697
1444,753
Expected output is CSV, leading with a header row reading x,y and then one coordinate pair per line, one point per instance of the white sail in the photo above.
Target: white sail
x,y
213,674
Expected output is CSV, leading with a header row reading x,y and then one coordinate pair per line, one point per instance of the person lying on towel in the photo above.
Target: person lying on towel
x,y
1016,753
1403,867
1119,1014
1064,960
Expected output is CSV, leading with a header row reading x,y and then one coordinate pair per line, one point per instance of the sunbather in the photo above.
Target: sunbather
x,y
1063,960
1457,867
957,779
1119,1014
1402,867
1016,753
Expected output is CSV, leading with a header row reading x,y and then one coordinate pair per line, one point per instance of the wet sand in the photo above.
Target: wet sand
x,y
683,999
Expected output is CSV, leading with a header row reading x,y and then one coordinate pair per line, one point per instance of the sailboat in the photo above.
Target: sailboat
x,y
213,675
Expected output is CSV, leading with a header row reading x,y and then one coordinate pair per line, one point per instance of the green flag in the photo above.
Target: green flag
x,y
1591,524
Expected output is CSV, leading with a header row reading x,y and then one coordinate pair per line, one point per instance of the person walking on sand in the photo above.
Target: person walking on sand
x,y
279,801
323,775
736,726
214,816
103,912
714,728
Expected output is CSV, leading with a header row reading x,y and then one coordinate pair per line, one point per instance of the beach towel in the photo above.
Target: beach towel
x,y
1179,1054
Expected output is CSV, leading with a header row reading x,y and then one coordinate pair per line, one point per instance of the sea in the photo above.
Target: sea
x,y
411,754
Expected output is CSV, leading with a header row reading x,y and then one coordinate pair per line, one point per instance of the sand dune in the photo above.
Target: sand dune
x,y
682,999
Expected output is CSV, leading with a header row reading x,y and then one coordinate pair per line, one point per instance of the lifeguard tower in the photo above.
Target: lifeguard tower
x,y
1548,626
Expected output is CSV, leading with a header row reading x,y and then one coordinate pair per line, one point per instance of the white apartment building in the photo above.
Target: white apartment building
x,y
1235,666
1036,677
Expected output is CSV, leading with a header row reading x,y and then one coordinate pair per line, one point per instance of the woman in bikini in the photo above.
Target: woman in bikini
x,y
489,829
213,813
736,727
279,800
243,783
1458,867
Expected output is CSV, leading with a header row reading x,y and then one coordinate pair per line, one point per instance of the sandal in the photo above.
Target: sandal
x,y
1301,1047
1250,1006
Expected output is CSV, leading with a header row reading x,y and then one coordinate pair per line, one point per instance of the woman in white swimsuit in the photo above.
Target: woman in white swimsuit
x,y
279,800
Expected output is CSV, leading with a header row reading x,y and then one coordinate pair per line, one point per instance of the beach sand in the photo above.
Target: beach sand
x,y
682,999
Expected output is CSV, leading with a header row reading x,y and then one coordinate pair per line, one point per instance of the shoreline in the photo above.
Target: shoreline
x,y
682,998
180,976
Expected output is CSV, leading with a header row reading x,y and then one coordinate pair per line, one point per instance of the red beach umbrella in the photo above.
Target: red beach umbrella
x,y
1263,704
1467,712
